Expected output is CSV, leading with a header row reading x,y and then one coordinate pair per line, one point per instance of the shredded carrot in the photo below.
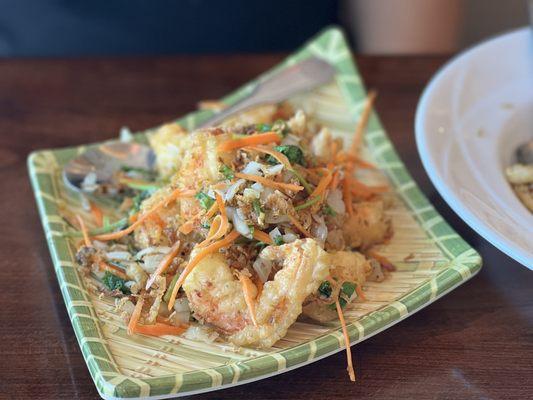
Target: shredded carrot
x,y
344,157
165,263
97,213
322,184
114,270
159,329
261,138
361,124
163,203
136,315
347,192
158,220
248,289
335,180
262,236
201,254
282,158
360,189
83,228
350,369
360,292
212,210
270,183
187,227
299,226
133,217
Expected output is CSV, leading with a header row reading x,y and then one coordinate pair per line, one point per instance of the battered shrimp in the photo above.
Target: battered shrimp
x,y
345,266
198,167
367,226
216,296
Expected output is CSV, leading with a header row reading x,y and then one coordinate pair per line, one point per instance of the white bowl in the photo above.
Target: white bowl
x,y
472,115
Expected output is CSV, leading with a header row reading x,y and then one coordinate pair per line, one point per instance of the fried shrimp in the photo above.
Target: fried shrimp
x,y
216,295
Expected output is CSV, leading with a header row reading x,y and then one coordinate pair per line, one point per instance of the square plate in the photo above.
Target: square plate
x,y
431,260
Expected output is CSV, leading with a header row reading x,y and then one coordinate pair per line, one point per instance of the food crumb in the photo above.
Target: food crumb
x,y
410,256
480,133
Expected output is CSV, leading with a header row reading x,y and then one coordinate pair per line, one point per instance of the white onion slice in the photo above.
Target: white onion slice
x,y
274,170
257,187
289,237
118,255
334,200
274,233
233,189
151,250
262,268
291,139
253,168
240,224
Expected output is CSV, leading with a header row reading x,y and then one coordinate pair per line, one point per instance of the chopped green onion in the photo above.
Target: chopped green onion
x,y
170,288
261,245
227,172
99,231
113,282
302,180
263,127
328,210
278,240
205,201
345,295
141,185
308,203
325,289
252,229
257,206
281,127
294,154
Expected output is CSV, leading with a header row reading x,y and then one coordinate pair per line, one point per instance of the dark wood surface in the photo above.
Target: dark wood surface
x,y
477,342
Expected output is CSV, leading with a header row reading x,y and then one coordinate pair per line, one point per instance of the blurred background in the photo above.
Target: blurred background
x,y
45,28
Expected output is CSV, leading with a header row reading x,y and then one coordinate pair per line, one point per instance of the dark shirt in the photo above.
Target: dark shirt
x,y
100,27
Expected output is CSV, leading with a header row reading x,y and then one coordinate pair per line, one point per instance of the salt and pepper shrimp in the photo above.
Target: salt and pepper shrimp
x,y
216,295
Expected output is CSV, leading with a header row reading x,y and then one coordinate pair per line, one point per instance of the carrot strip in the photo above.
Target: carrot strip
x,y
163,203
97,213
358,188
347,192
248,289
270,183
282,158
335,180
361,124
102,265
360,293
299,226
188,226
262,236
165,263
350,369
159,329
84,231
262,138
193,262
322,184
135,315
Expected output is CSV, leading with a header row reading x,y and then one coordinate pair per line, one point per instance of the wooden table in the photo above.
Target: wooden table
x,y
477,342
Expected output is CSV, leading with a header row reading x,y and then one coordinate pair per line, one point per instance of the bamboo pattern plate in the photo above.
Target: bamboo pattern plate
x,y
431,260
